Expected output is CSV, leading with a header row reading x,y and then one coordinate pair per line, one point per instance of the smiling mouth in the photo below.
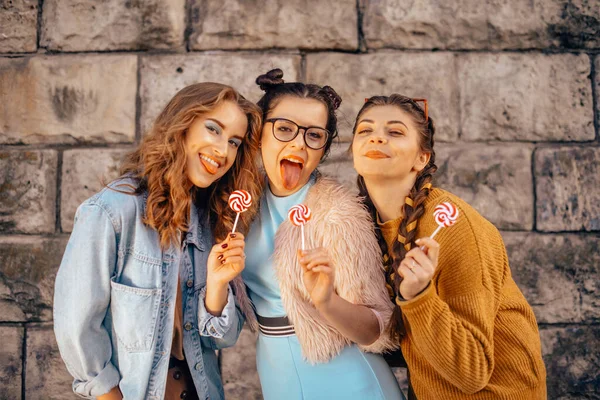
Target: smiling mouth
x,y
210,164
376,154
290,169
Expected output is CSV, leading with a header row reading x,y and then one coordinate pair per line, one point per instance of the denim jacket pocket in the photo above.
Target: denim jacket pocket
x,y
134,313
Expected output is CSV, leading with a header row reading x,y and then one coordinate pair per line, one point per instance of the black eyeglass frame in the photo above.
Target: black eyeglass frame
x,y
306,128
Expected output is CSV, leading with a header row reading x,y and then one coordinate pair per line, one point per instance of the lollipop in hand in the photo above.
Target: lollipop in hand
x,y
300,215
239,201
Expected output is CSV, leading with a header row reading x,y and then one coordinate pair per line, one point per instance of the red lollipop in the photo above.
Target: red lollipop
x,y
445,215
239,201
300,215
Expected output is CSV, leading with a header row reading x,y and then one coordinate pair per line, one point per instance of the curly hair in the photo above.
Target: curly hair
x,y
413,207
160,169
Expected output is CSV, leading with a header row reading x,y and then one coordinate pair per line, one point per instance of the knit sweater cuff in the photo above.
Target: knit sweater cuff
x,y
422,298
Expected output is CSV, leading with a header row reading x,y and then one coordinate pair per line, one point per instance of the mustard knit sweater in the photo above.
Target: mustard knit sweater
x,y
471,334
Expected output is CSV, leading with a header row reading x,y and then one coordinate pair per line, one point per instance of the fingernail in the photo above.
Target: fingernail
x,y
220,257
233,235
223,262
224,245
418,241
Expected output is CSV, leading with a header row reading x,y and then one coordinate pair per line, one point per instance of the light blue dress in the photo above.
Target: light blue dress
x,y
283,373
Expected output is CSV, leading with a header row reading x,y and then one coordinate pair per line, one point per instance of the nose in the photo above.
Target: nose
x,y
298,141
220,148
377,140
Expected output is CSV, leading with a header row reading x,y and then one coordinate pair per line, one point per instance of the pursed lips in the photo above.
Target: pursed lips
x,y
376,154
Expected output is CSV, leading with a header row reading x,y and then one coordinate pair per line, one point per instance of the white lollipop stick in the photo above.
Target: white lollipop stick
x,y
237,217
439,228
302,233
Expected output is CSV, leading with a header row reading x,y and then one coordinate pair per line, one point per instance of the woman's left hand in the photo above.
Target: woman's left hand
x,y
418,266
318,274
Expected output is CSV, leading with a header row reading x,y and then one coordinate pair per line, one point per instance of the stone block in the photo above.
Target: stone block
x,y
525,97
416,75
568,188
46,376
495,180
80,25
163,76
18,26
558,274
305,24
68,99
28,267
28,191
489,24
81,178
11,361
339,165
572,357
238,368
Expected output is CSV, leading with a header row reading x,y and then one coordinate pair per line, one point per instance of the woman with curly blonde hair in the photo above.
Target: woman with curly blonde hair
x,y
143,298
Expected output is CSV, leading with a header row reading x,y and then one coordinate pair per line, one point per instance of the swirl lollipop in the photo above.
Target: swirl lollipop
x,y
239,201
445,215
299,215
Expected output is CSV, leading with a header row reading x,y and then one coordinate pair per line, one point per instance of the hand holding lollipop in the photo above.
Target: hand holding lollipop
x,y
300,215
239,201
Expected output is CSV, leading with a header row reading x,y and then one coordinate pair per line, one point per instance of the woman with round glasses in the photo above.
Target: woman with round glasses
x,y
320,313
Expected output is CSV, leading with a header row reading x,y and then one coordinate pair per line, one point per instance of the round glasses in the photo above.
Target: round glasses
x,y
285,130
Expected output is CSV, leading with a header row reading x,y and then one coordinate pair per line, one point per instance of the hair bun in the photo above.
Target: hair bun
x,y
332,95
272,78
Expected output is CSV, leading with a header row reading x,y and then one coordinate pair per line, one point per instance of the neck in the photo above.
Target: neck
x,y
388,195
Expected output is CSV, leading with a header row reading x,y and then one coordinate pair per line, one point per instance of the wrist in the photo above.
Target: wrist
x,y
324,306
215,284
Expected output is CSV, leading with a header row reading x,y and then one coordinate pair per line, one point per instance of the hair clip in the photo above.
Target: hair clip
x,y
366,99
426,110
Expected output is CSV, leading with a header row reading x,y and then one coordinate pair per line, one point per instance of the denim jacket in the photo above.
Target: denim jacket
x,y
115,296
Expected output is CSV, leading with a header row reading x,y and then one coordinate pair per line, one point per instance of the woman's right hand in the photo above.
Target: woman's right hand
x,y
226,260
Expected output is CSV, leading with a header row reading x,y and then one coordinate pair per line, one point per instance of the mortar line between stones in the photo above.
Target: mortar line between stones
x,y
59,167
39,25
459,132
533,182
595,111
362,42
187,33
23,362
138,102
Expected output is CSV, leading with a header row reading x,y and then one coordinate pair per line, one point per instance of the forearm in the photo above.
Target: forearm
x,y
356,322
216,297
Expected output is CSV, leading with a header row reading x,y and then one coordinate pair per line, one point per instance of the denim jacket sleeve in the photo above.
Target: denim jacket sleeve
x,y
81,299
220,332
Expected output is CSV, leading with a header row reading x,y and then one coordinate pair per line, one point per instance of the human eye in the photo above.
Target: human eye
x,y
214,128
313,134
235,143
364,131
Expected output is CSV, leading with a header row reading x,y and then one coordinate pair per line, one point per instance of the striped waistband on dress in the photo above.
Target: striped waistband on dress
x,y
275,326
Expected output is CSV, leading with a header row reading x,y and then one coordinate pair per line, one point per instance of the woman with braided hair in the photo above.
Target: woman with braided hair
x,y
464,328
321,313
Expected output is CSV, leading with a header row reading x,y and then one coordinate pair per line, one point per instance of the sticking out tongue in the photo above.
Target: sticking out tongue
x,y
290,173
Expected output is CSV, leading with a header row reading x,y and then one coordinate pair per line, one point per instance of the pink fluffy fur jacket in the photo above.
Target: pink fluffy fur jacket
x,y
343,226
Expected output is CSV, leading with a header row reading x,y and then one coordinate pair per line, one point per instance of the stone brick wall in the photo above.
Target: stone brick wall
x,y
513,87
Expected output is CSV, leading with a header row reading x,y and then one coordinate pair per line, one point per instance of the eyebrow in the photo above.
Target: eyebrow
x,y
370,121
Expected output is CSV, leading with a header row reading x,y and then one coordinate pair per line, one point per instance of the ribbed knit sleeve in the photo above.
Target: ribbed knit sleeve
x,y
452,321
